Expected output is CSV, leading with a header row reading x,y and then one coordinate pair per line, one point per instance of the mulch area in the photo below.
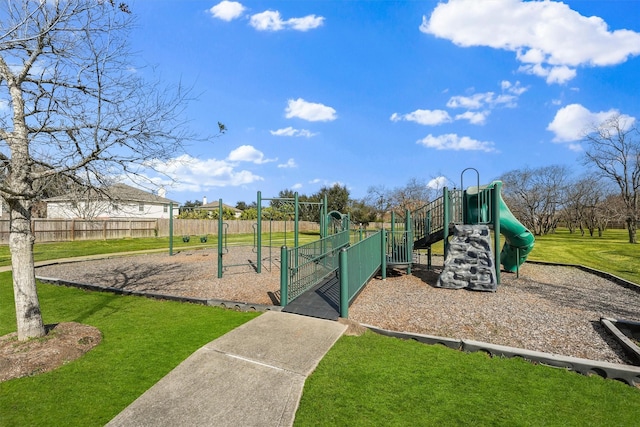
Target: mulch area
x,y
548,308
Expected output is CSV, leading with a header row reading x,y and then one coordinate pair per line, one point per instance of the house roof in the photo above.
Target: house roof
x,y
121,192
215,205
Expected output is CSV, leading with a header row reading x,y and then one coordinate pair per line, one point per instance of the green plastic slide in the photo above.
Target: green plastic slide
x,y
519,240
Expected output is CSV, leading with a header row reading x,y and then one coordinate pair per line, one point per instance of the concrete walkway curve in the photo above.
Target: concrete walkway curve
x,y
251,376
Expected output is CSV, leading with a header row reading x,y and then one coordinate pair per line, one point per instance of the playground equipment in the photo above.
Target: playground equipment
x,y
336,255
480,206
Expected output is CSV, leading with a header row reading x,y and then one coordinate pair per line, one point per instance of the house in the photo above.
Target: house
x,y
116,201
215,206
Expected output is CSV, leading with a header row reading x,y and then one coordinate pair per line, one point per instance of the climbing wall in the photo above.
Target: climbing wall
x,y
469,263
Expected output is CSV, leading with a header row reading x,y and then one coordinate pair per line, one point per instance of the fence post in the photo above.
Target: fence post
x,y
343,273
409,242
284,276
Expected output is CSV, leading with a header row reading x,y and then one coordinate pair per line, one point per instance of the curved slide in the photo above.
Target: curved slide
x,y
519,240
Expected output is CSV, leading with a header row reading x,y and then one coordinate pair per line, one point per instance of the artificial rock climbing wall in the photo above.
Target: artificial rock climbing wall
x,y
469,263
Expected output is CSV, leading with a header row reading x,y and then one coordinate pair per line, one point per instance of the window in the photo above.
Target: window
x,y
141,207
165,208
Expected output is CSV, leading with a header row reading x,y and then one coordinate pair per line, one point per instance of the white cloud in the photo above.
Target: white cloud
x,y
571,122
474,117
514,88
482,100
549,38
247,153
423,117
290,131
451,141
310,111
306,23
290,164
192,174
296,186
227,10
575,147
270,20
438,183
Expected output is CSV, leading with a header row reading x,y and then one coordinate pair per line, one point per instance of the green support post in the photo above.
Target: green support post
x,y
428,233
325,207
171,229
496,226
259,236
344,283
445,219
220,239
284,276
295,222
409,243
383,261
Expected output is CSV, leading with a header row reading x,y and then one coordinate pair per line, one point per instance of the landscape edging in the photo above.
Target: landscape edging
x,y
625,373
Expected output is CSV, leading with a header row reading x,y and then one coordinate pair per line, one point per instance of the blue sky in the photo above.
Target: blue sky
x,y
375,93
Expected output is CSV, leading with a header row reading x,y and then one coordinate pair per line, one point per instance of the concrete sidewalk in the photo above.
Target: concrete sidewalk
x,y
251,376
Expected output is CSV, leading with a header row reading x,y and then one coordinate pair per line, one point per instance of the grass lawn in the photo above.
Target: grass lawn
x,y
46,251
375,380
143,339
611,252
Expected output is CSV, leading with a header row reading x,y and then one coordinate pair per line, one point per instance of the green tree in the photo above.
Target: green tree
x,y
362,213
337,197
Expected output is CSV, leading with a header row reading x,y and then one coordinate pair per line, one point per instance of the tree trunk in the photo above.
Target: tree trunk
x,y
21,238
632,227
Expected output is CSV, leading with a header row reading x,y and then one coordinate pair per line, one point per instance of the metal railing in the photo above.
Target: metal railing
x,y
305,266
399,247
358,263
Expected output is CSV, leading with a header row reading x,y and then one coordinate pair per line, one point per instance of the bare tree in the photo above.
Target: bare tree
x,y
72,105
614,150
412,196
535,196
586,205
379,197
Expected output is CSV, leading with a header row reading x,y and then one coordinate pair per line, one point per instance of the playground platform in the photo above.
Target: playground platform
x,y
251,376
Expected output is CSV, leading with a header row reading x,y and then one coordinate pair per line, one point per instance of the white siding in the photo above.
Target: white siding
x,y
69,210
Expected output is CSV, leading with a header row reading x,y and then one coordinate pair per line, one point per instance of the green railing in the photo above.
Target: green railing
x,y
358,264
428,219
305,266
436,216
399,248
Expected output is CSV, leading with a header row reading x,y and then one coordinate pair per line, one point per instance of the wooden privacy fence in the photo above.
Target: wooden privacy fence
x,y
61,230
201,227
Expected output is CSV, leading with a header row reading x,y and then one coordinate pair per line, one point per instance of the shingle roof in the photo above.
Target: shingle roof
x,y
118,192
215,205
